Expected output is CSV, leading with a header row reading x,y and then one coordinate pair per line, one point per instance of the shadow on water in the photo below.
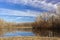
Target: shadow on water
x,y
47,33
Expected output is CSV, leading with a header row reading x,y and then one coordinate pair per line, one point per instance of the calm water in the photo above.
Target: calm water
x,y
30,32
18,33
47,33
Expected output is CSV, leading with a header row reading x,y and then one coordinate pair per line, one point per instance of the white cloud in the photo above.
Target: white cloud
x,y
35,3
13,15
18,13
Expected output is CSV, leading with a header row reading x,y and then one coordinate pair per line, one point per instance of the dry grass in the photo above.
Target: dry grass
x,y
49,23
30,38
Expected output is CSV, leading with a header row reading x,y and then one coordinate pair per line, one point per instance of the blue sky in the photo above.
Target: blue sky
x,y
25,10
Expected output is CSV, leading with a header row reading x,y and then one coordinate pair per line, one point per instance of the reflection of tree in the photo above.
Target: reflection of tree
x,y
47,33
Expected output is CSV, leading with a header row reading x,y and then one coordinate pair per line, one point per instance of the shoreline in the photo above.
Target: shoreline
x,y
30,38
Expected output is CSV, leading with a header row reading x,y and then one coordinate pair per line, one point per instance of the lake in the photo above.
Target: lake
x,y
29,32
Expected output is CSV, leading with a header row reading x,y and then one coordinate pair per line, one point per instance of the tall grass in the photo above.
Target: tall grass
x,y
49,22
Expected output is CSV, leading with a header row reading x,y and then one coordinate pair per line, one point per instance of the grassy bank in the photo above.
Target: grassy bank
x,y
30,38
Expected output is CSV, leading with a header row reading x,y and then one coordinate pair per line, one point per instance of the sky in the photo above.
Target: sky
x,y
25,10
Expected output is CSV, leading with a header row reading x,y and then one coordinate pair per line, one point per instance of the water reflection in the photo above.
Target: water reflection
x,y
29,32
47,33
18,33
9,32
